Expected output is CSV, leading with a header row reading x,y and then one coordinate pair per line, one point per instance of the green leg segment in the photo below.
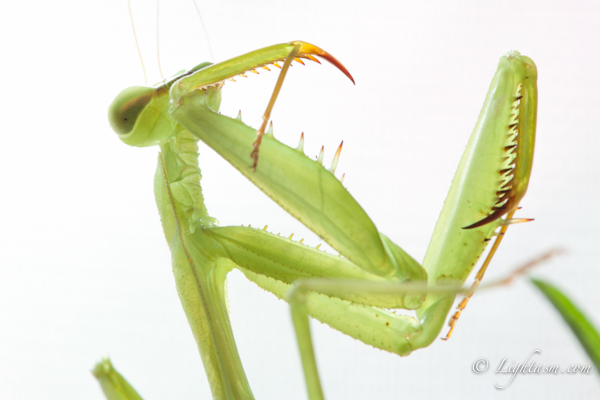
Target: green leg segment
x,y
284,174
429,327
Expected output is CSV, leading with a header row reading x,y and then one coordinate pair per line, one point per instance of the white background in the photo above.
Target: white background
x,y
84,269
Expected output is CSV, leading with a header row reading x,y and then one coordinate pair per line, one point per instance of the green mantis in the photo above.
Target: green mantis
x,y
352,292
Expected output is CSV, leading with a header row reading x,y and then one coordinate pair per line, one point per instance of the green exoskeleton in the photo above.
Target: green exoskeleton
x,y
351,292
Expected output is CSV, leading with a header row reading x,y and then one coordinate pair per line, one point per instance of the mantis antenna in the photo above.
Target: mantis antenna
x,y
136,42
210,52
158,38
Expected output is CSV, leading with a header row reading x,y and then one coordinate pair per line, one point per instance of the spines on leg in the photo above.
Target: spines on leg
x,y
303,187
492,175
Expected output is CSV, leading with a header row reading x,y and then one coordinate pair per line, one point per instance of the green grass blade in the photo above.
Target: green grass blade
x,y
583,329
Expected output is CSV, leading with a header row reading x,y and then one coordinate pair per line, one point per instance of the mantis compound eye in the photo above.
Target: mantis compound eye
x,y
125,109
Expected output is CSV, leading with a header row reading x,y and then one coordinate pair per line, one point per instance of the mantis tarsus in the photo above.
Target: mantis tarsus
x,y
351,292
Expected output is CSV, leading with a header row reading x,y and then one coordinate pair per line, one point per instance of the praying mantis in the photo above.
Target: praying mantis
x,y
355,291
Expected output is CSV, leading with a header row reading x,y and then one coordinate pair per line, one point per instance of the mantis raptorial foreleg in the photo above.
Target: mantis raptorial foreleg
x,y
491,179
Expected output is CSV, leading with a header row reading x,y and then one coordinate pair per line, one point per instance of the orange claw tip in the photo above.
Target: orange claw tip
x,y
308,49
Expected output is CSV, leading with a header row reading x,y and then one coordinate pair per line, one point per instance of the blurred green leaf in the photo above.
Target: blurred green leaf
x,y
585,332
114,386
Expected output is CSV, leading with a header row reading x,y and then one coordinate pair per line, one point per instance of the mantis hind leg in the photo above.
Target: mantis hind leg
x,y
423,335
336,292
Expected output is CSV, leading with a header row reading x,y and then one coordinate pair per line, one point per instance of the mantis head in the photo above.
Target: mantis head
x,y
124,111
138,114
